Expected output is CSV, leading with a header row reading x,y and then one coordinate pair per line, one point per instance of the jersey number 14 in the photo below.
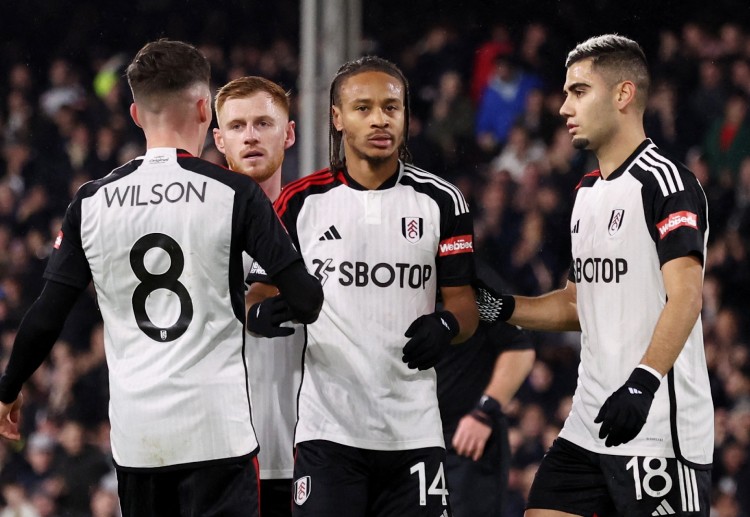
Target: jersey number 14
x,y
437,487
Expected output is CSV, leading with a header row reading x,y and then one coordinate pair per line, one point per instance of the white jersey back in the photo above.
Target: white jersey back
x,y
623,229
162,237
380,255
275,369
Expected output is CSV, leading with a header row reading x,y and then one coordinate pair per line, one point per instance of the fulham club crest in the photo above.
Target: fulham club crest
x,y
412,228
615,220
301,490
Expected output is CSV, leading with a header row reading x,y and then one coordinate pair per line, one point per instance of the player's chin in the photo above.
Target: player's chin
x,y
580,142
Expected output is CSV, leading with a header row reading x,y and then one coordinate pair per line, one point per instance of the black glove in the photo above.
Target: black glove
x,y
493,306
623,414
264,318
430,334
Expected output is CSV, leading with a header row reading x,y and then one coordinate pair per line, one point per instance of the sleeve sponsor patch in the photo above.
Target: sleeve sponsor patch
x,y
676,220
456,245
256,269
58,240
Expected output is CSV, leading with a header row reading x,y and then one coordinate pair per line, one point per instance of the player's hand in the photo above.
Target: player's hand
x,y
471,437
625,411
493,306
264,318
430,335
10,417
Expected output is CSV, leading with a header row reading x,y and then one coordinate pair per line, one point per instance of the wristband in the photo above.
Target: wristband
x,y
486,408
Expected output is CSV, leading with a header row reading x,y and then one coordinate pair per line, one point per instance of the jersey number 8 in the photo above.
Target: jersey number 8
x,y
168,280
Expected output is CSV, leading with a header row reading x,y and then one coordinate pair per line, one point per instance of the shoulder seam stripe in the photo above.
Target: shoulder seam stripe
x,y
282,202
666,173
652,154
301,183
421,176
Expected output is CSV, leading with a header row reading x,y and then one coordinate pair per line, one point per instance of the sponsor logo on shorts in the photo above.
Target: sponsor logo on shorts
x,y
676,220
664,508
456,245
302,490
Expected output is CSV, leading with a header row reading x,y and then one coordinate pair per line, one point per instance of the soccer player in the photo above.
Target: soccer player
x,y
254,131
639,437
162,239
382,236
475,381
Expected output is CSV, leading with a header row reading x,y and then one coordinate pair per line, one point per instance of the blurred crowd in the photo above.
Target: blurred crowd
x,y
485,116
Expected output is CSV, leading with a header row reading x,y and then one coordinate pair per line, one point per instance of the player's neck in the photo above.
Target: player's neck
x,y
168,137
371,174
617,149
272,186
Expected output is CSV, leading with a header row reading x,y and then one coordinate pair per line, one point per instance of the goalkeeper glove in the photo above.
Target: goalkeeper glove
x,y
264,318
493,306
625,411
430,334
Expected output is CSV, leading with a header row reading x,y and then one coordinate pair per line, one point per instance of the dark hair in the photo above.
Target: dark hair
x,y
165,67
621,59
356,67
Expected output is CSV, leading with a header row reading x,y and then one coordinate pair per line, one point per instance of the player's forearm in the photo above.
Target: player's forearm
x,y
258,292
675,324
555,311
302,291
461,303
511,369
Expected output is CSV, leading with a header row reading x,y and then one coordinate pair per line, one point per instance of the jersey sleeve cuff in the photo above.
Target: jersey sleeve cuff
x,y
650,370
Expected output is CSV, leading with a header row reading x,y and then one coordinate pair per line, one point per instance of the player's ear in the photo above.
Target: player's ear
x,y
290,136
336,113
625,94
134,114
204,109
218,140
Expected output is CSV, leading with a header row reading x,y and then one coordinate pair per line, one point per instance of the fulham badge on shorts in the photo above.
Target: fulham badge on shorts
x,y
301,490
615,220
412,228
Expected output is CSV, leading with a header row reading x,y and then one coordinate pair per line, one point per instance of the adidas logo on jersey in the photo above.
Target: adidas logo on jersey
x,y
634,391
664,509
575,226
332,234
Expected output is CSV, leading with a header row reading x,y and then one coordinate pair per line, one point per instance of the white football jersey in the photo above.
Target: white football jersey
x,y
623,229
275,369
381,256
162,238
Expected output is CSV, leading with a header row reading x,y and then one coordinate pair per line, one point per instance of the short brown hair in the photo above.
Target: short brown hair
x,y
621,59
243,87
165,67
